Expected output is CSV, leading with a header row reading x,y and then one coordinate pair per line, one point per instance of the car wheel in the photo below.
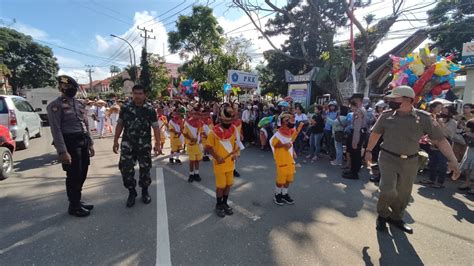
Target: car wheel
x,y
23,145
40,132
6,160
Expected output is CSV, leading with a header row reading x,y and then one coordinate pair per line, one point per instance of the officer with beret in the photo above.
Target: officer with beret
x,y
401,128
68,122
357,136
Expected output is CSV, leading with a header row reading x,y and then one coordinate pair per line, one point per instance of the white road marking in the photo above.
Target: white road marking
x,y
211,193
163,253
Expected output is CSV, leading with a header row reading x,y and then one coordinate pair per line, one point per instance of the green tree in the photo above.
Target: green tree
x,y
31,64
452,25
116,83
132,72
198,34
145,75
160,76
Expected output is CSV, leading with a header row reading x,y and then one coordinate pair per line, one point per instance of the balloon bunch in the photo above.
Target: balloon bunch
x,y
228,89
189,87
429,74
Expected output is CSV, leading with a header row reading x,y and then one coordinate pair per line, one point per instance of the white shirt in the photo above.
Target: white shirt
x,y
300,118
246,116
101,112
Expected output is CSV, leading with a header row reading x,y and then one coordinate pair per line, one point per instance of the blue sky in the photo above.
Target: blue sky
x,y
85,25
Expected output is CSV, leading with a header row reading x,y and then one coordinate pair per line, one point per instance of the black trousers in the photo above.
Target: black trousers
x,y
248,132
76,173
356,156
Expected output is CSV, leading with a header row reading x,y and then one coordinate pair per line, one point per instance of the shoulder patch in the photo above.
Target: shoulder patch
x,y
423,112
54,109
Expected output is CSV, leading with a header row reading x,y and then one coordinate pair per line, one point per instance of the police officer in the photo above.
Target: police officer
x,y
68,122
135,120
357,136
401,128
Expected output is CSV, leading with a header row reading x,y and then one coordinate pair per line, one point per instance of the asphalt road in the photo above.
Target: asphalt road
x,y
332,222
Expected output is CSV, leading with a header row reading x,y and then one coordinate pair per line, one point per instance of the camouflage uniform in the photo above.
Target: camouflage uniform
x,y
136,145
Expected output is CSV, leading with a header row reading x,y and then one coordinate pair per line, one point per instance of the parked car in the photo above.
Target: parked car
x,y
20,118
7,147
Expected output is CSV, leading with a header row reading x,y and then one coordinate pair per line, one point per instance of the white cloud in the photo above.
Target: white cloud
x,y
35,33
65,61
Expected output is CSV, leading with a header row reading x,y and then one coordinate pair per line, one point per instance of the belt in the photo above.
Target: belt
x,y
401,156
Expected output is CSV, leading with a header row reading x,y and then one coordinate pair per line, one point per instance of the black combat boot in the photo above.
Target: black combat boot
x,y
131,197
145,196
77,210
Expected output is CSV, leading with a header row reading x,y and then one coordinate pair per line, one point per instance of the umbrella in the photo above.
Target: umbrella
x,y
265,121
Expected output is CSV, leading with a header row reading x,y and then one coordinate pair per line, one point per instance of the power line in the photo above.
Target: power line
x,y
164,13
103,13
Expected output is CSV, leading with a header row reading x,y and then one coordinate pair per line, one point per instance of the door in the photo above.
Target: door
x,y
33,118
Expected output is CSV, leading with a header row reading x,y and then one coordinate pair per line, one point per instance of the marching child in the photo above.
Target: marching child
x,y
176,137
282,147
192,134
207,126
163,124
222,145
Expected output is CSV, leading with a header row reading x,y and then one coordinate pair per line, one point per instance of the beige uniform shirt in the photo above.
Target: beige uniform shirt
x,y
401,132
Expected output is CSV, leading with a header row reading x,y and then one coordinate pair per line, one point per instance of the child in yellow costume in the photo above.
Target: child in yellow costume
x,y
176,137
192,135
163,124
207,126
222,145
282,147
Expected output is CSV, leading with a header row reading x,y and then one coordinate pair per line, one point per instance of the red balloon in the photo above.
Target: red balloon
x,y
438,89
421,82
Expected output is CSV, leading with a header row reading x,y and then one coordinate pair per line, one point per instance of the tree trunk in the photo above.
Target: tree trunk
x,y
361,87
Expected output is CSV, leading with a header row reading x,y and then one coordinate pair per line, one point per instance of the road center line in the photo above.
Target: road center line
x,y
163,253
211,193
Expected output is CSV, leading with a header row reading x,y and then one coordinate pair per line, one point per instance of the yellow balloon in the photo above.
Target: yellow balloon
x,y
442,68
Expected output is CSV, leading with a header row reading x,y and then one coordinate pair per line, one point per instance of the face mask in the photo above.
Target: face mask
x,y
443,115
70,92
394,105
249,107
290,125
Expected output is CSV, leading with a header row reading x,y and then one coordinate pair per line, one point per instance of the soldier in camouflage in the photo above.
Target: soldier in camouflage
x,y
135,120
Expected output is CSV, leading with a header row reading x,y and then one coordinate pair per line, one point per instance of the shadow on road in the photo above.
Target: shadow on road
x,y
39,161
395,249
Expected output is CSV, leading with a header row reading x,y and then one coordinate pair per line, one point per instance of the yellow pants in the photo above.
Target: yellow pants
x,y
224,180
284,178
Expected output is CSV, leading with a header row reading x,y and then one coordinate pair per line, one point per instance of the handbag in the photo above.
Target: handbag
x,y
339,136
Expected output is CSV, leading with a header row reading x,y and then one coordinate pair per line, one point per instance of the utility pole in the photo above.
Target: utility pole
x,y
146,36
90,75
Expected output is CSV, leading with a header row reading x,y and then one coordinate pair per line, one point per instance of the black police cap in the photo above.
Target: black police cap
x,y
64,79
357,96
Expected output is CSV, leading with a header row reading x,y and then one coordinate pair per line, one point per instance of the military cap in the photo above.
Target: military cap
x,y
64,79
402,91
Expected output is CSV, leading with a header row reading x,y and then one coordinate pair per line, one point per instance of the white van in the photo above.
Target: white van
x,y
20,118
40,98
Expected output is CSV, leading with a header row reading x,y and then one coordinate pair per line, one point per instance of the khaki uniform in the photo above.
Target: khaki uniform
x,y
397,160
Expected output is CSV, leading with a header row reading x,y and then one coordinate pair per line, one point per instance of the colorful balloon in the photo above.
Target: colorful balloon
x,y
421,82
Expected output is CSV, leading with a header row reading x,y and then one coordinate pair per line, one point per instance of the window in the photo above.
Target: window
x,y
44,102
28,106
3,106
19,105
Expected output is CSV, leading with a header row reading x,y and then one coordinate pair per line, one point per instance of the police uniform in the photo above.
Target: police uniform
x,y
398,159
68,122
357,137
136,145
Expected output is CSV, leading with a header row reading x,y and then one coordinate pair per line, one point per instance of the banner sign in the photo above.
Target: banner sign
x,y
299,93
308,77
242,79
468,54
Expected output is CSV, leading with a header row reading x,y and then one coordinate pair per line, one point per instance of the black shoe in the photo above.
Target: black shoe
x,y
400,224
191,178
228,209
78,211
220,210
171,161
177,161
381,223
278,199
206,158
88,207
131,198
145,195
236,174
349,175
197,178
375,179
287,199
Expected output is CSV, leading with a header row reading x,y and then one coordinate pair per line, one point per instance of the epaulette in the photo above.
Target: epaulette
x,y
418,111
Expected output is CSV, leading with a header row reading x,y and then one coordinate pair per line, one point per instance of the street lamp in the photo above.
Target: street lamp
x,y
133,50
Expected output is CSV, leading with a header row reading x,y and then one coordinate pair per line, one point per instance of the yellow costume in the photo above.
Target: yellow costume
x,y
163,124
176,139
223,148
193,149
285,164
